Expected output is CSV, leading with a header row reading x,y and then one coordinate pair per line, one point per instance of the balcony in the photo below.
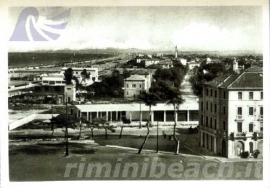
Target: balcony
x,y
260,118
260,134
240,135
239,118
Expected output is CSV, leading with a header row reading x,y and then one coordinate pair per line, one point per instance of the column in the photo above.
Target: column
x,y
215,145
130,116
164,116
152,116
116,115
90,119
97,114
107,115
201,139
87,116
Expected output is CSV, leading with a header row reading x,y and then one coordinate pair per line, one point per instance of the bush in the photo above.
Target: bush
x,y
245,154
256,153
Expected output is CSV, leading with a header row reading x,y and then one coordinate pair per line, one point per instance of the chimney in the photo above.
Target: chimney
x,y
235,66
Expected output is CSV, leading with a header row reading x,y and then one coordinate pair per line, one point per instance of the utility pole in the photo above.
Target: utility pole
x,y
157,136
66,122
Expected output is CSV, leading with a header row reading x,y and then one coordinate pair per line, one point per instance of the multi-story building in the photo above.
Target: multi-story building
x,y
134,85
231,113
93,73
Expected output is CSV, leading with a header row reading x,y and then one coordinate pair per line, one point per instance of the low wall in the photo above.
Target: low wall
x,y
27,119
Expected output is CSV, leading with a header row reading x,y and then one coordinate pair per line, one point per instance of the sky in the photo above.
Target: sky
x,y
149,28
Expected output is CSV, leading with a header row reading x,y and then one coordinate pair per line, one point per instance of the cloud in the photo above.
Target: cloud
x,y
202,36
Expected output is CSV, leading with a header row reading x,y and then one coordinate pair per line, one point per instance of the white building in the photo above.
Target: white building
x,y
135,84
137,113
231,114
93,74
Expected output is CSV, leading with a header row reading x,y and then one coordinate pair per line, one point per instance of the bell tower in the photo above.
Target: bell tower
x,y
176,52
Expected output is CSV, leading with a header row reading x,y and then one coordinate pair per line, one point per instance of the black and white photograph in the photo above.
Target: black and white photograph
x,y
137,92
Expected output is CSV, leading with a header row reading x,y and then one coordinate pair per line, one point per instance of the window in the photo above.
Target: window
x,y
261,126
215,108
211,92
127,85
206,105
261,110
140,85
261,95
202,106
45,82
211,107
206,91
211,124
250,111
224,94
239,110
224,125
250,95
206,123
224,110
127,92
239,127
215,125
250,127
134,85
215,93
240,95
201,120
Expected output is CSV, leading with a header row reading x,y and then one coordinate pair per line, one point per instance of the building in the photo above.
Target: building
x,y
134,85
78,70
231,113
139,113
166,64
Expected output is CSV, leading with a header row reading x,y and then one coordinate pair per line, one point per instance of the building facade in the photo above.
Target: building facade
x,y
231,114
137,113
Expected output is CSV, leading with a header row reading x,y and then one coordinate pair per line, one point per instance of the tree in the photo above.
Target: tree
x,y
66,122
68,75
126,73
150,99
84,75
101,122
173,96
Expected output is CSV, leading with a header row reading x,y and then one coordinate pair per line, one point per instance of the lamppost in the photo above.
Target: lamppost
x,y
157,136
66,123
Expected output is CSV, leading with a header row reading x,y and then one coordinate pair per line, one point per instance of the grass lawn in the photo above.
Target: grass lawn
x,y
34,162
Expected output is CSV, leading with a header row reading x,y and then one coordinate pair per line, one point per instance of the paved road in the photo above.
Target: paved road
x,y
187,92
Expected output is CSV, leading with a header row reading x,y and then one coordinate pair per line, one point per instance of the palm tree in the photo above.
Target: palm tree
x,y
150,99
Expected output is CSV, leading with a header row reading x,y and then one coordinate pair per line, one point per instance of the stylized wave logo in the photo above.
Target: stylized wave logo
x,y
33,27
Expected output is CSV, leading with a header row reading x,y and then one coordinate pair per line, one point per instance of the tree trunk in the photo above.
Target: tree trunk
x,y
120,136
174,132
52,129
80,133
92,133
67,152
106,134
148,131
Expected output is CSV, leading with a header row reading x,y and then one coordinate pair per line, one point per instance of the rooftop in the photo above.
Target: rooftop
x,y
133,107
250,78
135,77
